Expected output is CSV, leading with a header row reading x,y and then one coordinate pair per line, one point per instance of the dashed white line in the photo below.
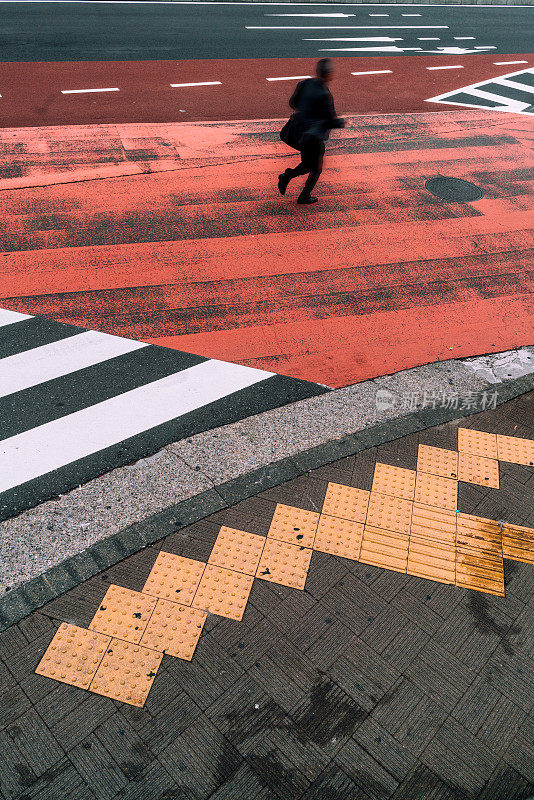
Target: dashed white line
x,y
428,39
379,15
373,72
392,49
290,78
358,39
464,38
86,91
310,15
200,83
484,47
453,66
505,63
411,15
341,27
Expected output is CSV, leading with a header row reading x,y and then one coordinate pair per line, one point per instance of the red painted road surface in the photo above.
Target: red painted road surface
x,y
208,258
31,91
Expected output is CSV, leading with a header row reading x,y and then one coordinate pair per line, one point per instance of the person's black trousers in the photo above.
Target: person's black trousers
x,y
311,155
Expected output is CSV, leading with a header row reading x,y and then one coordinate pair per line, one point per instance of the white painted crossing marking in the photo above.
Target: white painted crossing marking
x,y
337,16
88,91
428,39
464,38
357,39
379,15
200,83
373,72
9,317
484,47
411,15
78,435
343,27
505,63
387,49
290,78
486,91
50,361
452,66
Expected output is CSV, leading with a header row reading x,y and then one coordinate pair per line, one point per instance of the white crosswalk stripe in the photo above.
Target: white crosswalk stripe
x,y
513,93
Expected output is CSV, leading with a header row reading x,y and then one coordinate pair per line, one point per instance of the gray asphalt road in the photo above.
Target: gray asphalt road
x,y
102,31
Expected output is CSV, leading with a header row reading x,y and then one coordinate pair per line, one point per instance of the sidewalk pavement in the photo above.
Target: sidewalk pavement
x,y
367,642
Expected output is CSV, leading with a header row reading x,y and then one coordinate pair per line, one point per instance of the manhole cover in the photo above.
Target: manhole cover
x,y
454,189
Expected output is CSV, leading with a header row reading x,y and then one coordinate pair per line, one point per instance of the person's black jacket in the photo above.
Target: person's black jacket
x,y
315,112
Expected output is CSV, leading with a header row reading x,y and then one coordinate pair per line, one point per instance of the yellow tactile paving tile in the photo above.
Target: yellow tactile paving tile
x,y
223,592
479,443
383,548
123,614
73,655
346,502
339,537
293,525
237,550
284,563
389,513
485,574
395,481
437,461
518,543
174,629
126,672
434,490
432,560
515,450
478,535
174,578
436,524
479,470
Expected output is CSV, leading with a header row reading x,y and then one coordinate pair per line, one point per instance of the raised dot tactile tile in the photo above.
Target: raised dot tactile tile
x,y
395,481
478,535
174,578
479,470
237,550
433,560
515,450
518,543
390,513
437,461
483,573
436,524
73,655
339,537
123,614
479,443
126,672
283,563
346,502
293,525
434,490
383,548
223,592
174,629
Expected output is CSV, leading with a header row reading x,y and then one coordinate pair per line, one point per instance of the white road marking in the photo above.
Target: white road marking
x,y
60,442
504,103
200,83
379,15
453,66
464,38
428,39
290,78
373,72
358,39
511,84
451,51
484,47
310,15
50,361
411,15
342,27
9,317
392,49
86,91
505,63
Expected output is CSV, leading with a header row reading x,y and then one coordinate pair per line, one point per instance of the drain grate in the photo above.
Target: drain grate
x,y
454,190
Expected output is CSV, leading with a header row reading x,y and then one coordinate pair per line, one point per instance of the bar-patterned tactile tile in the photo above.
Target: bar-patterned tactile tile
x,y
478,535
346,502
515,450
390,513
284,563
434,490
383,548
126,672
479,443
433,560
339,537
123,614
293,525
518,543
437,461
174,578
237,550
73,655
223,592
436,524
174,629
479,470
395,481
480,572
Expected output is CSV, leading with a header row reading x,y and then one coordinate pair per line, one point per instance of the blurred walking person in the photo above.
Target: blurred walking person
x,y
309,127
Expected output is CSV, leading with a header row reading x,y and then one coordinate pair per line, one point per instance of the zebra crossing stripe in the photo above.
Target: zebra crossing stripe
x,y
9,317
513,93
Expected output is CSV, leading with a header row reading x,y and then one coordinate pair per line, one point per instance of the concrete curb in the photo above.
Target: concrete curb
x,y
101,555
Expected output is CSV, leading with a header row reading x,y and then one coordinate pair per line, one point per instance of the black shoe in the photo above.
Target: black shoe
x,y
283,180
306,200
